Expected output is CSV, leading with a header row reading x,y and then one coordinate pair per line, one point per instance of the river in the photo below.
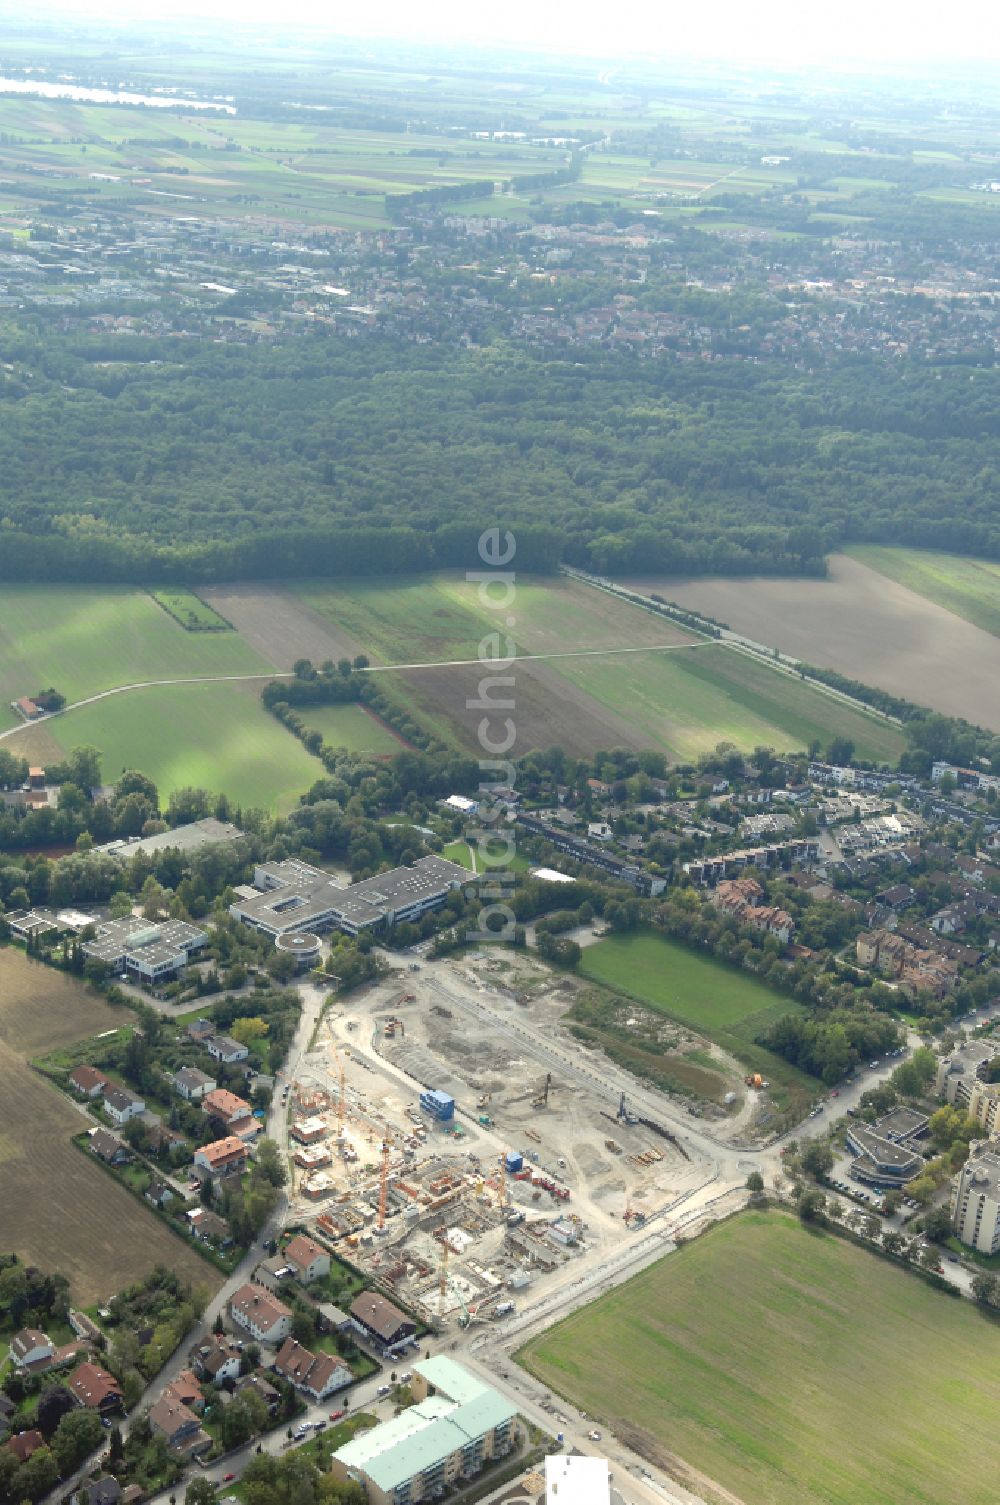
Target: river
x,y
44,90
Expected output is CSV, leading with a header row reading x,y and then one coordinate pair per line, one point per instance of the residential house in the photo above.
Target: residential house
x,y
309,1260
269,1394
273,1274
186,1390
200,1030
378,1321
217,1360
23,1444
741,898
31,1350
107,1147
223,1157
208,1228
95,1388
226,1109
178,1426
898,897
193,1084
161,1140
883,949
88,1081
103,1491
318,1375
158,1192
260,1314
122,1104
229,1052
84,1327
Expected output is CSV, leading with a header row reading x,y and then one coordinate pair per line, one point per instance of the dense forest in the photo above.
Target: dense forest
x,y
160,458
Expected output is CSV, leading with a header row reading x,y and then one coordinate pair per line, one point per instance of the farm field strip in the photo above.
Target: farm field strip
x,y
84,639
60,1209
792,1367
968,587
680,703
213,735
871,626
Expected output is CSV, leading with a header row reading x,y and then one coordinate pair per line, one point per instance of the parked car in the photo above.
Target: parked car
x,y
594,1436
228,1478
336,1415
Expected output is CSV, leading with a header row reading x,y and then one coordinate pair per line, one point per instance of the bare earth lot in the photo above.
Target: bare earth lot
x,y
58,1208
280,626
549,710
864,625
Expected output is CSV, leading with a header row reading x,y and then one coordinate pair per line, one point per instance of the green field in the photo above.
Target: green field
x,y
216,737
687,703
462,853
792,1368
683,701
428,618
724,1003
84,639
193,614
351,727
968,587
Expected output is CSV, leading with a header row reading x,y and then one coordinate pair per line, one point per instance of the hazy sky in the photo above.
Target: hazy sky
x,y
785,31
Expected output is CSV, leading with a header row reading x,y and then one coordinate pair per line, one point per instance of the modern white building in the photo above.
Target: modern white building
x,y
150,953
577,1479
295,896
456,1427
975,1207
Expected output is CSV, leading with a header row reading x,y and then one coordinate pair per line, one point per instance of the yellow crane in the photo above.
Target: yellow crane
x,y
503,1180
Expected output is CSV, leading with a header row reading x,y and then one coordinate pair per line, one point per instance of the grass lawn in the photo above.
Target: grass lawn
x,y
791,1367
968,587
216,737
353,728
725,1003
83,639
190,610
461,852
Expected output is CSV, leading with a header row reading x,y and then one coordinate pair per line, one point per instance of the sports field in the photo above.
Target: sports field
x,y
724,1003
60,1210
968,587
591,689
83,639
791,1368
353,728
214,736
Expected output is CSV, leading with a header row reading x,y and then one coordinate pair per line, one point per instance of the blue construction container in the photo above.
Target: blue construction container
x,y
439,1105
514,1160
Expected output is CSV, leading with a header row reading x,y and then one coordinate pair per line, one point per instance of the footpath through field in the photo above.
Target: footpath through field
x,y
449,663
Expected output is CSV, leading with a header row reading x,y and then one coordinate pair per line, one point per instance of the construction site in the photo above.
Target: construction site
x,y
453,1141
